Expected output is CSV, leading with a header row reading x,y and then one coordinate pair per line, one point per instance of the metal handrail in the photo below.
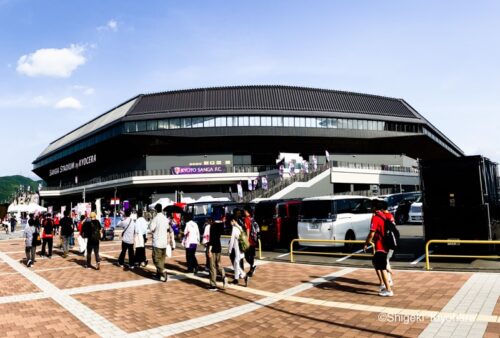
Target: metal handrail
x,y
260,245
457,241
329,253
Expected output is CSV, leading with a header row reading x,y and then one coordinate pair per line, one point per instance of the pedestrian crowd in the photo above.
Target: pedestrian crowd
x,y
42,230
243,242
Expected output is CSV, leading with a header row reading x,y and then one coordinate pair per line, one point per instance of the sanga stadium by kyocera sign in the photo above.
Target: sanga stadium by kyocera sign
x,y
73,165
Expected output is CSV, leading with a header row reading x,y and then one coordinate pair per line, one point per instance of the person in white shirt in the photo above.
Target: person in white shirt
x,y
128,225
190,242
234,251
160,227
141,230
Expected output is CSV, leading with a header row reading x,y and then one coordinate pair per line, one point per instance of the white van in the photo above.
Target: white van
x,y
334,217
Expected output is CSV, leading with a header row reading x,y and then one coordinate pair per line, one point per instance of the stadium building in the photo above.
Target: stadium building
x,y
205,141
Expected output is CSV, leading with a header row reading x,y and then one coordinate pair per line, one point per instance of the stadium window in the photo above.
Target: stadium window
x,y
381,125
322,122
141,126
265,121
288,121
243,121
152,125
209,122
300,122
220,121
175,123
130,127
186,122
232,121
332,123
255,121
163,124
310,122
277,121
349,124
197,122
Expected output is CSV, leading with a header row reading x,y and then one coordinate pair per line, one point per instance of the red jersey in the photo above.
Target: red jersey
x,y
377,225
107,223
248,226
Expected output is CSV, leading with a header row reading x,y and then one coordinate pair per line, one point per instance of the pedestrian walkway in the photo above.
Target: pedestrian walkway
x,y
282,300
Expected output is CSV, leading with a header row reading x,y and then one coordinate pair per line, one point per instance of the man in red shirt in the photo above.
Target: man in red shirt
x,y
250,253
380,214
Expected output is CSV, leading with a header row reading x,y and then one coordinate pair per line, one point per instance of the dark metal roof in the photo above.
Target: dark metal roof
x,y
270,98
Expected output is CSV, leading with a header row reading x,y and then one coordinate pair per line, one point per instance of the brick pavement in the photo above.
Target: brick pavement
x,y
283,300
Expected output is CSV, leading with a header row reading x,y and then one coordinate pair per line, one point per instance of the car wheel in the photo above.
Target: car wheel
x,y
349,236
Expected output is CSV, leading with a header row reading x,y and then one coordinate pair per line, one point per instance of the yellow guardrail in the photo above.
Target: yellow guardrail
x,y
456,241
328,253
260,245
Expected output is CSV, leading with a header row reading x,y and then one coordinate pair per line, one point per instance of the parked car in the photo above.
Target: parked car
x,y
415,215
278,221
334,217
401,213
393,200
229,208
200,211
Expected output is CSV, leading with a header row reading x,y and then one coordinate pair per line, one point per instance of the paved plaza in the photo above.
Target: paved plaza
x,y
60,298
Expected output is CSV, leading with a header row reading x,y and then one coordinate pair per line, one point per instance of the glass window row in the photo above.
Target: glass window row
x,y
241,121
270,121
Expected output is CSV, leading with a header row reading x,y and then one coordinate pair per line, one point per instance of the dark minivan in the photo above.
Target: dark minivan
x,y
278,221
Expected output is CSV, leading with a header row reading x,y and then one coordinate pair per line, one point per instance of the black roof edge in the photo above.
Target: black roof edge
x,y
39,158
97,117
267,86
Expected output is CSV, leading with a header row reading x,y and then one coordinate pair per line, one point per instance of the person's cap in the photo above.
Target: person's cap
x,y
93,215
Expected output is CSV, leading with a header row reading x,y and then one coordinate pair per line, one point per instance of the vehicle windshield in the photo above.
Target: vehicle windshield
x,y
317,209
265,210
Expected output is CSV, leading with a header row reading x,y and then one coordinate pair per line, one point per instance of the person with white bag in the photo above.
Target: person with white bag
x,y
170,237
82,242
141,228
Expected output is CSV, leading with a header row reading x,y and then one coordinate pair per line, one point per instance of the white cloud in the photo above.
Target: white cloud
x,y
52,62
24,102
84,89
89,91
68,103
111,25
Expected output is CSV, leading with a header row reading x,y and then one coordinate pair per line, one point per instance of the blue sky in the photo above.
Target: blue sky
x,y
65,62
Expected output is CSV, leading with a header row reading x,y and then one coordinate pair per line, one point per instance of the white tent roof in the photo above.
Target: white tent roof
x,y
212,199
33,208
167,201
163,201
18,208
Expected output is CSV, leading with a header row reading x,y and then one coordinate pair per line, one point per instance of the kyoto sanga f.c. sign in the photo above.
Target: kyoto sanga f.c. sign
x,y
198,169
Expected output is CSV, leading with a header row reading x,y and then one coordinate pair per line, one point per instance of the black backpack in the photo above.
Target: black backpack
x,y
36,238
390,237
96,231
255,231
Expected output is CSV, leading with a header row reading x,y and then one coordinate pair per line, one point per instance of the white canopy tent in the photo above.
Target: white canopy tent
x,y
34,208
212,199
163,201
15,208
167,201
29,208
